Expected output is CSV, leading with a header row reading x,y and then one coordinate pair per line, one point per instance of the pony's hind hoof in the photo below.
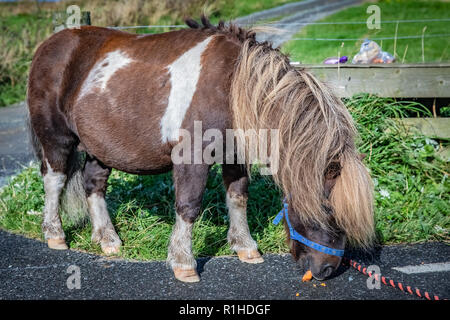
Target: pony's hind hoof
x,y
250,256
57,244
186,275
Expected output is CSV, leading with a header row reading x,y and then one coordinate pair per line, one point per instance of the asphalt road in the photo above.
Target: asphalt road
x,y
15,148
303,13
29,270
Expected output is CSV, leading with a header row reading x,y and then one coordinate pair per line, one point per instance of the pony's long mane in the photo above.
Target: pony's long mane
x,y
316,131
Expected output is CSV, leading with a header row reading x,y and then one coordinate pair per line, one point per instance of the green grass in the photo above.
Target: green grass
x,y
143,215
411,181
412,197
435,49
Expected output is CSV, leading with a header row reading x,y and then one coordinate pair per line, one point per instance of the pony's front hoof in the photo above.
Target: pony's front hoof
x,y
250,256
110,249
109,241
57,244
186,275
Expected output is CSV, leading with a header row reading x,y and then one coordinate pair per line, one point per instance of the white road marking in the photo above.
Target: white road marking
x,y
425,268
103,71
184,75
11,268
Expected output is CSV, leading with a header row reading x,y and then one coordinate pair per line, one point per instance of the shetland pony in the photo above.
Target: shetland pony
x,y
122,99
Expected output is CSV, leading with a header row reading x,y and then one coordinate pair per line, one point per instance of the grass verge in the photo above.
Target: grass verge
x,y
411,193
405,50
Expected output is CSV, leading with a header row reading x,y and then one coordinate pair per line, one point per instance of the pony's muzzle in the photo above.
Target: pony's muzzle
x,y
319,272
325,272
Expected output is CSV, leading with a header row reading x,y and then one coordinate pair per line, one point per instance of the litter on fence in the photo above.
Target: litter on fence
x,y
371,52
335,60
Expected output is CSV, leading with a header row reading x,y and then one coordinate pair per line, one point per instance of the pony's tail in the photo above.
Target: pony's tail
x,y
74,206
73,203
352,200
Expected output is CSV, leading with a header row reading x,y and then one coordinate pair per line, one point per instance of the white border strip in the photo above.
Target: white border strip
x,y
425,268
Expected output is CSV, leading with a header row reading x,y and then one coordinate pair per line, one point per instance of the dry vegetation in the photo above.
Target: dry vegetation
x,y
24,25
134,12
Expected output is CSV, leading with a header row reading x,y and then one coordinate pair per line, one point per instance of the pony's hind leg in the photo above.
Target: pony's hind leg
x,y
190,182
54,181
54,144
95,180
236,185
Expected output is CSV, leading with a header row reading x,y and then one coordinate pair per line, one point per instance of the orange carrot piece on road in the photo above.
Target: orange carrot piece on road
x,y
307,276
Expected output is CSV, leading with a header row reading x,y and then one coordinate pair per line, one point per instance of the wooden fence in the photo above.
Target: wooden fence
x,y
387,80
395,81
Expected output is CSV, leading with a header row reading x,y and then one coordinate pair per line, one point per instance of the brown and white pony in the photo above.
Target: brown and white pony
x,y
122,99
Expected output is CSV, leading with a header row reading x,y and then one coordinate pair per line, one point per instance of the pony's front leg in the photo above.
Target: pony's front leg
x,y
95,182
236,184
189,182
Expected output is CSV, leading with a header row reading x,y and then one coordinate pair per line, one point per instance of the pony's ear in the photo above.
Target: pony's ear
x,y
331,174
191,23
328,186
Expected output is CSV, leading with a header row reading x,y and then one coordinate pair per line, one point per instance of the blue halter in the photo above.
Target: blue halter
x,y
297,236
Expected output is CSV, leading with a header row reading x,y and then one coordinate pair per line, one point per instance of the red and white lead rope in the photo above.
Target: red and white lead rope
x,y
392,283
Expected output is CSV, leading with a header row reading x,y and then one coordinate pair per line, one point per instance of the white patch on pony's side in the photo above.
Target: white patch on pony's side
x,y
184,75
103,70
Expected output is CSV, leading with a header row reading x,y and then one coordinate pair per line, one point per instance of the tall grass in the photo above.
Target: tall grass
x,y
144,12
25,24
411,191
412,198
20,36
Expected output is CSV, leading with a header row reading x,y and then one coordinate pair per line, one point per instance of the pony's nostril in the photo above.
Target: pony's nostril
x,y
327,271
